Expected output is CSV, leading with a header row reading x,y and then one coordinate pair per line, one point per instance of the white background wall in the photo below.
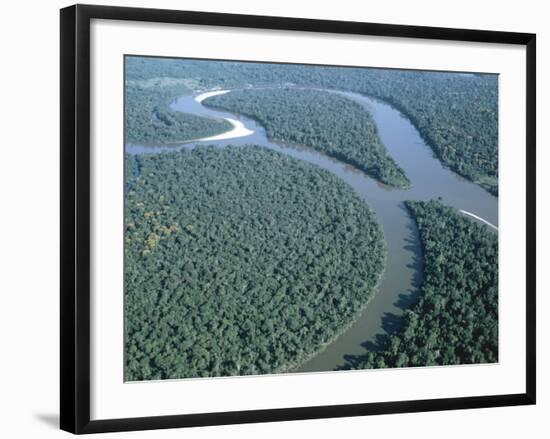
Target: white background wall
x,y
29,249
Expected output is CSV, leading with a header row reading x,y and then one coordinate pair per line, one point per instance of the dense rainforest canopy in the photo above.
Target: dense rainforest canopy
x,y
456,318
240,261
150,120
325,121
456,113
246,261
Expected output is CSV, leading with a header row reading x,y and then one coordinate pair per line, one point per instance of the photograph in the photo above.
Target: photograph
x,y
267,220
291,218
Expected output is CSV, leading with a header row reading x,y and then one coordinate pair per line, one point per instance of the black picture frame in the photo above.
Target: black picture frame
x,y
75,217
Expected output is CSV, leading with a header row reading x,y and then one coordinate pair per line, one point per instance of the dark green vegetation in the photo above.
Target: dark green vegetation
x,y
150,120
330,123
240,261
456,318
457,114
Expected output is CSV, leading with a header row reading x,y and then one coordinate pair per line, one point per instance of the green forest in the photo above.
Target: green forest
x,y
240,261
456,114
332,124
149,119
455,320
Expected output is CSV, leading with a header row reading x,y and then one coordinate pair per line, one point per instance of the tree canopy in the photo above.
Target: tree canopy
x,y
324,121
150,120
456,318
456,113
240,261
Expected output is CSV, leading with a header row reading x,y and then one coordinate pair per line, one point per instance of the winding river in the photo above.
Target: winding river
x,y
430,179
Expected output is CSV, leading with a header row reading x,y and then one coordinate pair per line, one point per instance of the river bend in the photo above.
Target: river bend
x,y
403,271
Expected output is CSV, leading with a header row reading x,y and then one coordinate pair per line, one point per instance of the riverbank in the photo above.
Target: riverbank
x,y
209,94
239,130
473,215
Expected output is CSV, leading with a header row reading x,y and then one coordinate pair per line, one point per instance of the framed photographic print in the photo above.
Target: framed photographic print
x,y
268,218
